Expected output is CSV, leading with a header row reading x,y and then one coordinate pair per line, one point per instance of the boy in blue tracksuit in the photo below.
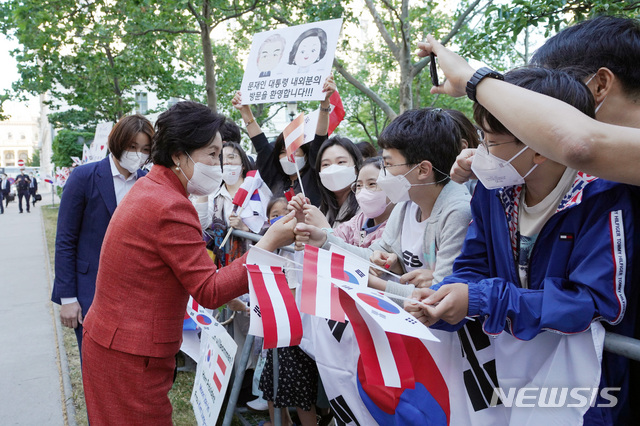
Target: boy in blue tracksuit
x,y
549,248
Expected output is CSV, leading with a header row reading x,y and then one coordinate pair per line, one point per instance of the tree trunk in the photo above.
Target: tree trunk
x,y
207,52
116,84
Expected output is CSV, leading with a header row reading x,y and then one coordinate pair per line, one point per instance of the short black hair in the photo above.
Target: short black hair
x,y
246,164
430,134
313,32
329,203
184,127
555,83
230,132
606,41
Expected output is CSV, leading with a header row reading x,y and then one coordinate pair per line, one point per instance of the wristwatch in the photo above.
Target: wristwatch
x,y
478,77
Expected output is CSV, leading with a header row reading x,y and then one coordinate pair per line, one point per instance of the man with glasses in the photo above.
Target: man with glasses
x,y
425,230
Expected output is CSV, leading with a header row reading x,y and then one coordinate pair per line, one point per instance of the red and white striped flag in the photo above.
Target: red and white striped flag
x,y
273,305
294,136
318,295
384,357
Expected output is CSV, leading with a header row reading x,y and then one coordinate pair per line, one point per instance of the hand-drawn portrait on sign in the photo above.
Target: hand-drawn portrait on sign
x,y
290,64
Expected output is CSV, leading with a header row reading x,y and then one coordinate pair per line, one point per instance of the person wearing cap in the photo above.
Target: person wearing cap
x,y
23,181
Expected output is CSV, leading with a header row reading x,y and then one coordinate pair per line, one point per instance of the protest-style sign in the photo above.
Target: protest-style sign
x,y
217,354
290,64
100,144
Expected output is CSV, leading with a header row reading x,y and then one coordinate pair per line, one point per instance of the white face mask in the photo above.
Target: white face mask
x,y
290,168
231,173
204,180
336,177
494,172
397,187
132,161
372,203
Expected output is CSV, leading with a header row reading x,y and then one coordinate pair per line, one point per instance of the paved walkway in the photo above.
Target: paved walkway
x,y
31,384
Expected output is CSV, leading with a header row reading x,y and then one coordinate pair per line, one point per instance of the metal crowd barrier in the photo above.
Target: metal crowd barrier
x,y
614,343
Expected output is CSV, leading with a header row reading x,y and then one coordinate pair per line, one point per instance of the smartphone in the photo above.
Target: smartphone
x,y
433,70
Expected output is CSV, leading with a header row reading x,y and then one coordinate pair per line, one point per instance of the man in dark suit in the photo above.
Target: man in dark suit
x,y
6,188
33,188
88,201
22,187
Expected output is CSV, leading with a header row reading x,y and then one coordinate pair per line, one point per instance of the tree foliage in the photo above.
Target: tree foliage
x,y
67,144
94,54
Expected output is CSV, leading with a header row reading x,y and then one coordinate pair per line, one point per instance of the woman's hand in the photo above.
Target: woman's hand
x,y
313,216
456,70
245,110
388,261
328,88
279,234
236,223
309,234
296,204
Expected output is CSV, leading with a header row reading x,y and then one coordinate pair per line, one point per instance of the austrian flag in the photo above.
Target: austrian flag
x,y
294,136
274,304
318,295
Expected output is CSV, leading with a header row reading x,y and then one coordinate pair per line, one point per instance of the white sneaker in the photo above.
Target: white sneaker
x,y
258,404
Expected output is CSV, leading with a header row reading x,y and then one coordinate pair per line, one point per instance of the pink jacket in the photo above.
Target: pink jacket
x,y
351,232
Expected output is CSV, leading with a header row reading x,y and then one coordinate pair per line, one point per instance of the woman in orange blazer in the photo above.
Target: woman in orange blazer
x,y
152,259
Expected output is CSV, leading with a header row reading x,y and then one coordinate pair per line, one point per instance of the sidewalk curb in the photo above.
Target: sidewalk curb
x,y
62,353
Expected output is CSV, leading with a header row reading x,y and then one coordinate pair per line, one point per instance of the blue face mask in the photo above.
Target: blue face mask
x,y
275,219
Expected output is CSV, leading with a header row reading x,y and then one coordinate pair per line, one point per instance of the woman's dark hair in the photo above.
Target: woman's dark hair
x,y
184,127
555,83
367,150
246,164
329,203
313,32
273,202
468,131
125,131
278,147
430,134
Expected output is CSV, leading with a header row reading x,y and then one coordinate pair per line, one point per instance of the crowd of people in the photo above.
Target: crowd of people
x,y
522,221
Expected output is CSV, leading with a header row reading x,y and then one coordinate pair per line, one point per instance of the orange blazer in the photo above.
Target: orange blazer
x,y
152,258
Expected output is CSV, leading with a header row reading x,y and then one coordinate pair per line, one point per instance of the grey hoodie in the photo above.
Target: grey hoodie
x,y
444,234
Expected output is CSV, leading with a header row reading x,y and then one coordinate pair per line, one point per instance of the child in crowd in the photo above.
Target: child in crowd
x,y
278,172
368,224
297,372
419,148
549,247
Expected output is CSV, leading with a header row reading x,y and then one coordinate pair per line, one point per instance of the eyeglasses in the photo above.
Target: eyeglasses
x,y
356,187
384,167
488,144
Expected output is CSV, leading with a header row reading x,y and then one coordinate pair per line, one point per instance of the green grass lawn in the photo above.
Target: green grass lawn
x,y
179,394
